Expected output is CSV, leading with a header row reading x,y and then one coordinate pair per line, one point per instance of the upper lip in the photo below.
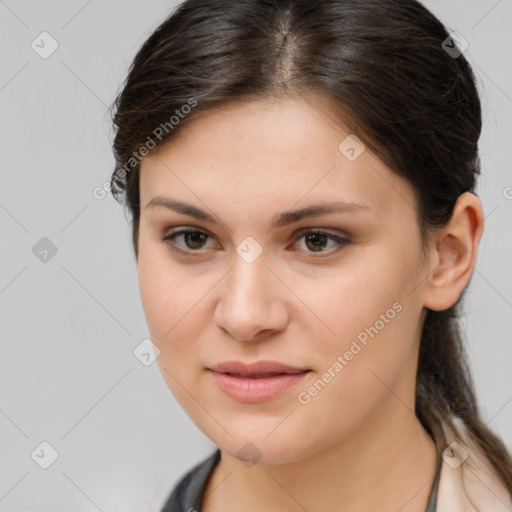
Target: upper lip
x,y
257,368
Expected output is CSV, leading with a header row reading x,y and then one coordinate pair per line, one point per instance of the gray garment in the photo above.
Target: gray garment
x,y
187,495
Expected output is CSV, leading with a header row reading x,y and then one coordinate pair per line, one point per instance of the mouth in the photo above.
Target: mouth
x,y
256,383
261,375
259,369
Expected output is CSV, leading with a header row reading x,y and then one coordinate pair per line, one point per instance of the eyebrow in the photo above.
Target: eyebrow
x,y
278,220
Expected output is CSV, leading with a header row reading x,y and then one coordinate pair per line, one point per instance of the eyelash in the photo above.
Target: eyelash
x,y
169,237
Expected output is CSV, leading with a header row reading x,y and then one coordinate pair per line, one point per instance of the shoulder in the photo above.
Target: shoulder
x,y
468,481
186,494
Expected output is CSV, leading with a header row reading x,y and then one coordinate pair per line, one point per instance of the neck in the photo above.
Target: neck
x,y
389,464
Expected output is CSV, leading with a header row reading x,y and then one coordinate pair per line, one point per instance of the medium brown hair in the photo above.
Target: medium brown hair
x,y
412,103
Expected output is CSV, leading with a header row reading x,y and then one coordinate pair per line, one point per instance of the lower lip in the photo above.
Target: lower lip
x,y
261,389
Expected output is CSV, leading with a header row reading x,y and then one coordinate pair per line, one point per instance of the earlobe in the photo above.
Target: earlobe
x,y
454,254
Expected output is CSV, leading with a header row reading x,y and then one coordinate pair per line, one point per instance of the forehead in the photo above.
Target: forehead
x,y
279,151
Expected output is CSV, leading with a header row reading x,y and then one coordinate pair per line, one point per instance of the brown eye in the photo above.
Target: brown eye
x,y
194,240
316,240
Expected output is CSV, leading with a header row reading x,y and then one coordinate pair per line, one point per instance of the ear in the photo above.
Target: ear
x,y
453,254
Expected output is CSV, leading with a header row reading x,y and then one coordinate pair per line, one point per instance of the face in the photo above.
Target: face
x,y
344,302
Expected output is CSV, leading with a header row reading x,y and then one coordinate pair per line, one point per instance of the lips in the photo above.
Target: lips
x,y
259,369
257,382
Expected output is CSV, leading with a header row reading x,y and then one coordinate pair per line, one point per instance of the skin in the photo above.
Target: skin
x,y
357,444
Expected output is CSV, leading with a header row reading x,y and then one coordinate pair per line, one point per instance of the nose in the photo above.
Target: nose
x,y
252,301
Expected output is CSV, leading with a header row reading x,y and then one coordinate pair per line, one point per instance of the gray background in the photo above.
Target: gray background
x,y
69,326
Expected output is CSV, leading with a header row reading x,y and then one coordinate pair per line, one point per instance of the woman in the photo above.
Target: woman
x,y
301,177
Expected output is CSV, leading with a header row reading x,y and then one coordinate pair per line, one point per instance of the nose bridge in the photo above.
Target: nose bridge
x,y
248,303
249,268
248,280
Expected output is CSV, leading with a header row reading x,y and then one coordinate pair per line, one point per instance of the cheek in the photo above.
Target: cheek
x,y
165,301
358,373
373,322
154,293
350,303
172,307
165,291
177,312
375,334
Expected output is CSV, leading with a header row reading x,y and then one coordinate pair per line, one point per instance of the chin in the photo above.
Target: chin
x,y
260,449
